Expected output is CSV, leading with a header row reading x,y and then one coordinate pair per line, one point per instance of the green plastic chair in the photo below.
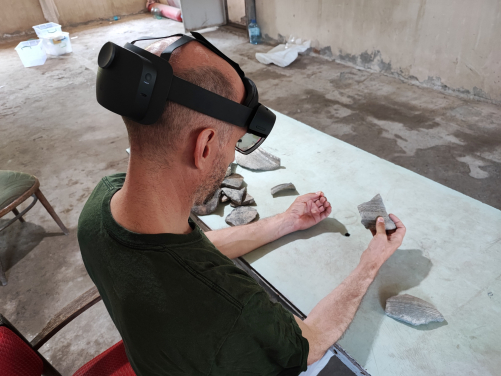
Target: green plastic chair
x,y
15,188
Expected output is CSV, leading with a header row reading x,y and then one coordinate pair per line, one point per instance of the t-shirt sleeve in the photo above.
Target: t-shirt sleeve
x,y
265,340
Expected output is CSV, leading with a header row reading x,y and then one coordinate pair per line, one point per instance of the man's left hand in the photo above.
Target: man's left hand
x,y
307,210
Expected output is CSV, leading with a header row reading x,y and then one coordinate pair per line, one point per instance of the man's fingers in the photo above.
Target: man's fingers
x,y
397,221
400,226
310,196
380,226
311,207
325,214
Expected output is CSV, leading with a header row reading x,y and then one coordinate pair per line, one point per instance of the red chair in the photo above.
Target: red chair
x,y
19,357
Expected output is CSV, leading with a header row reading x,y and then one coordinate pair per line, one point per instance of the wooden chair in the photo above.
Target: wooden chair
x,y
19,357
15,188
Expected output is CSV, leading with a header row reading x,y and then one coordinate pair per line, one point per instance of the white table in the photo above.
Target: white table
x,y
451,255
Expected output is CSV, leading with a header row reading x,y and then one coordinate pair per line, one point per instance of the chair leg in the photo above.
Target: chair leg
x,y
3,278
51,211
16,213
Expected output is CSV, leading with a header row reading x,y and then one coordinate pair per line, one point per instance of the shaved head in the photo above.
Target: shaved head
x,y
171,133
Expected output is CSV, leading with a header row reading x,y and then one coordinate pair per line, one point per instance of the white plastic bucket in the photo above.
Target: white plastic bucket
x,y
47,28
57,44
31,53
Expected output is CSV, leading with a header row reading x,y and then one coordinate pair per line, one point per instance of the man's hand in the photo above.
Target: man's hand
x,y
329,319
383,243
307,210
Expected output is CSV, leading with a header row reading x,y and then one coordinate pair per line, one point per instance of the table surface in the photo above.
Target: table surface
x,y
450,257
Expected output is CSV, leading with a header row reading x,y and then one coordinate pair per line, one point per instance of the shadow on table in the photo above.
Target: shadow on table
x,y
328,225
19,239
405,269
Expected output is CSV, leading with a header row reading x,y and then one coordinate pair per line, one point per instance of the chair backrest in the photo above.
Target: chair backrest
x,y
16,357
112,362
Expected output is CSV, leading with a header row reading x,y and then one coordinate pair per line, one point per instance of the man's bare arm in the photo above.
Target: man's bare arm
x,y
306,211
236,241
327,322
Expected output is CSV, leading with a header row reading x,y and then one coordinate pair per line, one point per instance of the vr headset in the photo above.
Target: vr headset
x,y
135,83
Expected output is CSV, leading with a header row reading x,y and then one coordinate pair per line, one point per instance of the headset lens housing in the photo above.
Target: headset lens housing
x,y
248,143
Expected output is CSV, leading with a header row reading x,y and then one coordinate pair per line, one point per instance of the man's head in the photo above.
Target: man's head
x,y
201,145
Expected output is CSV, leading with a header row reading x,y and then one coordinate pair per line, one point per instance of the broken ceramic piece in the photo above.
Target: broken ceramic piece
x,y
248,200
370,210
209,206
241,216
228,171
282,187
224,198
259,160
233,181
412,310
235,195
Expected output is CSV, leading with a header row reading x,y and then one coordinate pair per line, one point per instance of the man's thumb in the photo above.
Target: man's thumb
x,y
380,226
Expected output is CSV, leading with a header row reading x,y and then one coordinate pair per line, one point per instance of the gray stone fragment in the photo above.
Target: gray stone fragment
x,y
209,206
370,210
282,187
235,195
228,171
248,200
241,216
259,160
234,181
412,310
224,198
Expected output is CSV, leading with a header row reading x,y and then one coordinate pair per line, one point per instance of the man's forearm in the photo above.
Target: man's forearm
x,y
327,322
239,240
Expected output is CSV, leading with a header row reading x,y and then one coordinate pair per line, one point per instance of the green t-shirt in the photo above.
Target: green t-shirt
x,y
180,305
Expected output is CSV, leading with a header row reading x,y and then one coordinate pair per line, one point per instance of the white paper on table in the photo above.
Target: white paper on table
x,y
315,368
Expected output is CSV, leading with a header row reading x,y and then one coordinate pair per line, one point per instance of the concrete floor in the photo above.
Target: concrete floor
x,y
52,127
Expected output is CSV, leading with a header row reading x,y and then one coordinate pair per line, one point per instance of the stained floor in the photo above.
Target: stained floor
x,y
51,126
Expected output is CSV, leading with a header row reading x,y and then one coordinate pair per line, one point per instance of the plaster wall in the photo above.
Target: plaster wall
x,y
450,44
18,17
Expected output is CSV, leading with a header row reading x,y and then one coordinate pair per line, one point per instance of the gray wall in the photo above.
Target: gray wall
x,y
449,44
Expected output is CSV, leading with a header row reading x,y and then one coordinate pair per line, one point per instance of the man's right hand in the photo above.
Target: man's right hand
x,y
329,319
383,244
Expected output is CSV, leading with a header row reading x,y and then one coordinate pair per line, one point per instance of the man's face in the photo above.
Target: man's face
x,y
221,162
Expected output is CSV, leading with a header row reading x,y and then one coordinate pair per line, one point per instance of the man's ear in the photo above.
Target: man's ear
x,y
205,148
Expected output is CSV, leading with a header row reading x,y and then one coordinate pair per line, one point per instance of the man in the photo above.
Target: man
x,y
179,303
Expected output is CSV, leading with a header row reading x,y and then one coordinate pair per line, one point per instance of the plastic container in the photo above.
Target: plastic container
x,y
47,28
57,44
31,53
254,32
